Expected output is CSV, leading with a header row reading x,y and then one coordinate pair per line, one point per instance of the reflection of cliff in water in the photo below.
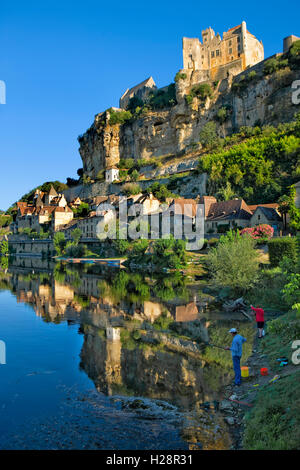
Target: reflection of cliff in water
x,y
120,362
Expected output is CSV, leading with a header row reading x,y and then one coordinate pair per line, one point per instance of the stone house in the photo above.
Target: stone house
x,y
267,214
142,91
90,226
233,214
111,174
48,210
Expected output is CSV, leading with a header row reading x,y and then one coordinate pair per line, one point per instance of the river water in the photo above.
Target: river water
x,y
100,358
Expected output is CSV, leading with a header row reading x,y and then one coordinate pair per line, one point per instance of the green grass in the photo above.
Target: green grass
x,y
274,422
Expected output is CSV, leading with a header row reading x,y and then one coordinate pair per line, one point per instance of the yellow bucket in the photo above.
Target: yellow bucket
x,y
245,371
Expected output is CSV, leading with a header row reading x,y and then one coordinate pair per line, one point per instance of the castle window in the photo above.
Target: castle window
x,y
230,50
217,53
230,42
213,53
238,39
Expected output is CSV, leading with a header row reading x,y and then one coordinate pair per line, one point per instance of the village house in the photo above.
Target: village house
x,y
90,226
49,211
225,215
112,174
266,214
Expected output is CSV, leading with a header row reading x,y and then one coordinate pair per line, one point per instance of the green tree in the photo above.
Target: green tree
x,y
134,176
76,235
234,262
4,247
59,242
208,134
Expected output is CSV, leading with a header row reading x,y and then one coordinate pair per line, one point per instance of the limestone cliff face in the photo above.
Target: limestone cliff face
x,y
264,100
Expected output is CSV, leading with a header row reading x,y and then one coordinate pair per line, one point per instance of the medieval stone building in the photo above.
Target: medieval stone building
x,y
217,57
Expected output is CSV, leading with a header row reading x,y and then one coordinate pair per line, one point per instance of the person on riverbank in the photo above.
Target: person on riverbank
x,y
236,352
260,319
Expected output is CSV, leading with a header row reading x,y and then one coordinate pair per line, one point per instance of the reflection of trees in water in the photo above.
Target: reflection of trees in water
x,y
134,287
64,274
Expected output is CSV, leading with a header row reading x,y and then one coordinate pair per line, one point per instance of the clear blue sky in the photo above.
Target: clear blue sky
x,y
65,61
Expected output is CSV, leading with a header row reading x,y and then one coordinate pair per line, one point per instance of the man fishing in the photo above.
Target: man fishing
x,y
260,319
236,352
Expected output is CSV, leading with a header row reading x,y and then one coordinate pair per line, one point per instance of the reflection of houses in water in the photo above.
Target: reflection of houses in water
x,y
151,310
188,312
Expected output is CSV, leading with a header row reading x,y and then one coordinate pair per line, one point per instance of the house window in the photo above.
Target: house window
x,y
230,43
230,50
238,39
213,53
217,53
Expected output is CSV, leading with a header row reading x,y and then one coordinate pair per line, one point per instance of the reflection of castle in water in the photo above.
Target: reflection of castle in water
x,y
116,365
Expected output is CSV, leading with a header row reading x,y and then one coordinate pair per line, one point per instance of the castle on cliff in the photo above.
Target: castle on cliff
x,y
218,57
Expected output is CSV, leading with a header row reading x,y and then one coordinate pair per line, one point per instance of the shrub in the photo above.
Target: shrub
x,y
280,247
261,232
212,241
180,76
163,98
118,117
131,189
59,242
223,228
201,91
294,54
134,175
234,262
208,134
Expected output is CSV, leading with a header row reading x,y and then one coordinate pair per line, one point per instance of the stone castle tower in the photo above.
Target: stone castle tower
x,y
218,57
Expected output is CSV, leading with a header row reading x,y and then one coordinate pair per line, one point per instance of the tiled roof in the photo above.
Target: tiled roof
x,y
234,209
253,207
184,206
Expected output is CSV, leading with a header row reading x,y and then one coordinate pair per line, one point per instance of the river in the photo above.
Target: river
x,y
101,358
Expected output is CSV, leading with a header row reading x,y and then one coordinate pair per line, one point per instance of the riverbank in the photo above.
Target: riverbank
x,y
263,413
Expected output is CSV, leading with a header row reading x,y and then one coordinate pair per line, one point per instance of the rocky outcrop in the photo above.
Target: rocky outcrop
x,y
259,99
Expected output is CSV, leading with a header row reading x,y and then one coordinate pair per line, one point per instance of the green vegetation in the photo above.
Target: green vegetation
x,y
259,168
4,247
281,247
119,117
131,189
161,99
242,83
294,55
160,191
82,211
233,262
201,91
166,253
294,212
274,64
180,76
45,187
274,422
59,242
208,135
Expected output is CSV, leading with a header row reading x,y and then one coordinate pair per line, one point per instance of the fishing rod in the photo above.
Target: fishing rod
x,y
215,346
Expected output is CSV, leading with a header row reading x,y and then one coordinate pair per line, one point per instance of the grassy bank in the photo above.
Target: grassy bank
x,y
274,421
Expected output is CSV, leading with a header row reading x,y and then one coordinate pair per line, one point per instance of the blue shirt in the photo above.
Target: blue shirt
x,y
237,345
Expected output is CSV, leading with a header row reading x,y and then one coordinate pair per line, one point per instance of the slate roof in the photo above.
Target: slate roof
x,y
270,213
